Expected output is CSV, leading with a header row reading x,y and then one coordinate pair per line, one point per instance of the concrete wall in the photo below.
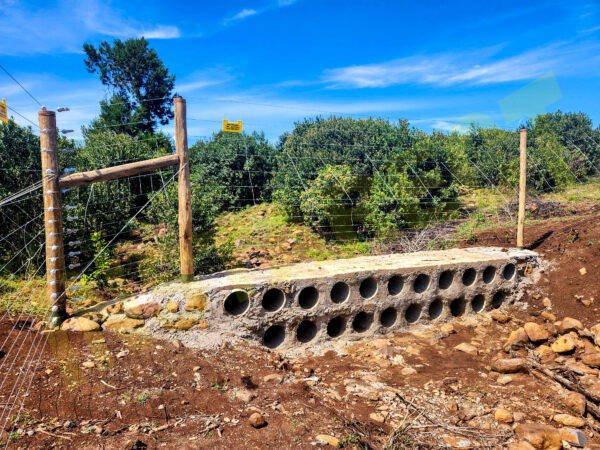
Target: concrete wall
x,y
349,299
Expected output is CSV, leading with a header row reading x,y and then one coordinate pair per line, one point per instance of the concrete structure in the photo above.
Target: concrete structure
x,y
349,299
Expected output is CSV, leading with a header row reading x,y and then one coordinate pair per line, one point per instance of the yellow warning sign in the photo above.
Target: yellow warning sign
x,y
232,127
3,111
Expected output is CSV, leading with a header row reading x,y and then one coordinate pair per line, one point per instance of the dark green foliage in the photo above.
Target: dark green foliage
x,y
142,86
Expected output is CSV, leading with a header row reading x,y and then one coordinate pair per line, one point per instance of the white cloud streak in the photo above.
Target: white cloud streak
x,y
468,68
244,13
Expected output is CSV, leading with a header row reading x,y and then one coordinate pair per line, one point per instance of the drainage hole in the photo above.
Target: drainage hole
x,y
395,285
368,287
436,308
336,327
308,297
388,317
478,303
421,283
446,279
339,292
469,276
412,313
489,274
274,336
273,300
458,306
509,271
498,299
237,303
362,322
306,331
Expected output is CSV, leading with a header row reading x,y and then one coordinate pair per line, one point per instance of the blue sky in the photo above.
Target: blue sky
x,y
272,62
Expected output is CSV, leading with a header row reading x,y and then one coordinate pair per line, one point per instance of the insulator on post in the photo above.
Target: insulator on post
x,y
66,190
51,208
72,217
68,150
45,150
71,230
52,221
44,130
52,247
68,207
53,296
50,192
69,170
66,131
62,109
74,243
74,266
75,288
49,171
76,299
74,253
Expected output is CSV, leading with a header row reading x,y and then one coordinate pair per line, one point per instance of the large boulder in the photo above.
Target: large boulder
x,y
539,436
80,324
143,311
122,325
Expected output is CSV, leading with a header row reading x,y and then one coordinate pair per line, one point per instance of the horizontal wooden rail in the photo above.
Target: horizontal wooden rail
x,y
112,173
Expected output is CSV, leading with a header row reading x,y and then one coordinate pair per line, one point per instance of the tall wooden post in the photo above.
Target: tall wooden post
x,y
522,187
185,194
55,257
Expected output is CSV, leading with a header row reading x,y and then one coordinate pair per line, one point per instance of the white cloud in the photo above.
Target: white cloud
x,y
472,68
162,32
202,79
241,15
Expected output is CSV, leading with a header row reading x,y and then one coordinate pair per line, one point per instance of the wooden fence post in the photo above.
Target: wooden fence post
x,y
522,187
55,257
184,192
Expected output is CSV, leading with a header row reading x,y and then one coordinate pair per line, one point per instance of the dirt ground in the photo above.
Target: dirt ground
x,y
409,390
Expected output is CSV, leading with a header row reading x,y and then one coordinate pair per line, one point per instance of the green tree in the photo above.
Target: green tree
x,y
141,84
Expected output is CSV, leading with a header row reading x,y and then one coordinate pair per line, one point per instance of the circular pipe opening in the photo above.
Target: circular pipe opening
x,y
308,297
509,271
446,279
237,303
412,313
306,331
388,317
421,283
436,308
340,292
395,285
274,336
477,303
498,299
273,300
458,306
336,327
489,274
362,322
469,276
368,287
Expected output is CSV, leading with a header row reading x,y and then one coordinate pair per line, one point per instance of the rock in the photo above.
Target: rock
x,y
535,332
503,416
257,420
88,364
504,379
334,442
407,371
563,344
509,365
197,302
545,354
547,303
143,311
548,316
273,378
595,330
80,324
117,308
245,395
377,417
180,324
122,325
500,318
466,348
521,445
517,338
539,436
591,383
575,402
591,359
573,436
580,368
447,328
457,442
583,271
569,420
203,324
172,306
569,324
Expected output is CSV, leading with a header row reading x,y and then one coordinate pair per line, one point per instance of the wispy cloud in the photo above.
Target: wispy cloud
x,y
471,68
202,79
241,15
162,32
